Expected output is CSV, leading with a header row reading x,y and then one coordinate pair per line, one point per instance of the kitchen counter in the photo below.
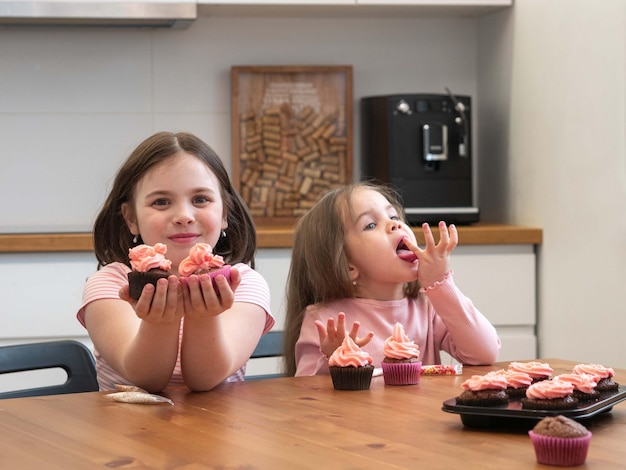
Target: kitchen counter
x,y
272,236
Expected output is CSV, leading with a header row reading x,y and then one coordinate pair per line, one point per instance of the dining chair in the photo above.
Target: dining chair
x,y
270,345
70,355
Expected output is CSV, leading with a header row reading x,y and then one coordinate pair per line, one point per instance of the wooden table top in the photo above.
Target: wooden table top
x,y
284,423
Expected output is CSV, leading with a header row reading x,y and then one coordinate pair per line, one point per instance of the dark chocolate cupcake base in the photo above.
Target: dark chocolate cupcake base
x,y
564,403
138,279
489,397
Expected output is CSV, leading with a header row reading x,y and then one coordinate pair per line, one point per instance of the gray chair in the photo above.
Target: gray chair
x,y
270,345
71,356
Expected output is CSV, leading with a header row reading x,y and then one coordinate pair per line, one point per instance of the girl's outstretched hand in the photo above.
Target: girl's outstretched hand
x,y
331,337
434,259
157,305
200,298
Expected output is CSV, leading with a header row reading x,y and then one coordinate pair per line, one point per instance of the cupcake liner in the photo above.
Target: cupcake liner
x,y
401,373
560,451
224,271
351,378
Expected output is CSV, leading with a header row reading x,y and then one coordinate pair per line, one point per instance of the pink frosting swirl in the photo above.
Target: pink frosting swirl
x,y
349,355
398,346
582,382
533,368
514,378
549,389
596,370
145,257
200,258
485,382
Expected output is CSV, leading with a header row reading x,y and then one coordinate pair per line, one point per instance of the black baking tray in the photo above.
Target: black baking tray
x,y
513,415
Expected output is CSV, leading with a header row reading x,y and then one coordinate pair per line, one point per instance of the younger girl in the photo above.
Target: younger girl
x,y
174,189
354,258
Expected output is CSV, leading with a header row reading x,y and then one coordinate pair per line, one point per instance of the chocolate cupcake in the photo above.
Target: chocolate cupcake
x,y
517,382
560,441
550,395
201,260
537,370
584,386
148,264
484,390
604,376
350,367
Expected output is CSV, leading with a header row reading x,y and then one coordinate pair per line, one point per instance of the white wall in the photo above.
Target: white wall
x,y
553,144
549,82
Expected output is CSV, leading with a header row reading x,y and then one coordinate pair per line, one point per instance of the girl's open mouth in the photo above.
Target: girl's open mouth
x,y
404,253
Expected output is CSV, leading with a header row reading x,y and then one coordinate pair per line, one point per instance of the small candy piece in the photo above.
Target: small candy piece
x,y
438,369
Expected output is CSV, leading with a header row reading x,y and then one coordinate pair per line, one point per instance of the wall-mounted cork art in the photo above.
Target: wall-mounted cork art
x,y
292,136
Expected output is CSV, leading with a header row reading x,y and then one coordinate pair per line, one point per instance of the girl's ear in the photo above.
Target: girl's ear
x,y
354,273
130,218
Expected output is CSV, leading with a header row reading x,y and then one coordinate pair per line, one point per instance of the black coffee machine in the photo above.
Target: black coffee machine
x,y
421,144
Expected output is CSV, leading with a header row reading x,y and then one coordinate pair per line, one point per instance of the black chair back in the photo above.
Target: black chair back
x,y
71,356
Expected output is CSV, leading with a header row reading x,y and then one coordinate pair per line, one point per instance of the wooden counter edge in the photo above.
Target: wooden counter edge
x,y
278,236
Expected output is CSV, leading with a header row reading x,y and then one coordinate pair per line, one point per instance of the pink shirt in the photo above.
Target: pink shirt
x,y
440,319
106,283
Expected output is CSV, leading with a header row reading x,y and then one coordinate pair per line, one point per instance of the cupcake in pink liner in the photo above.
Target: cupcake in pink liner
x,y
560,441
148,264
201,260
350,367
550,395
484,390
517,382
401,364
537,370
605,375
584,385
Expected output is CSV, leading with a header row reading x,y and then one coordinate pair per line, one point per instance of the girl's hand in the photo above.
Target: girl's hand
x,y
201,300
157,305
331,337
434,260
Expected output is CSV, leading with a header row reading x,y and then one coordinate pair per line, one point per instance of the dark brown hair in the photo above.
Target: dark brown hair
x,y
319,271
111,236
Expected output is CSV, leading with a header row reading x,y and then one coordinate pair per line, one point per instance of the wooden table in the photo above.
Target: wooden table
x,y
285,423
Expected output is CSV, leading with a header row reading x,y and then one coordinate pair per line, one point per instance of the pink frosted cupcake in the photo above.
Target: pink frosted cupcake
x,y
517,382
584,385
350,367
560,441
537,370
201,260
484,390
603,374
148,265
401,364
550,395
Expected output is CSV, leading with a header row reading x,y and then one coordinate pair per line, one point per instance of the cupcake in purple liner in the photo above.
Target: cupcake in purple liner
x,y
401,364
560,441
201,260
350,367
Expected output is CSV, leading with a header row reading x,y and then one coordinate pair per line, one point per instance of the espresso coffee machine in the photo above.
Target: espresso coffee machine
x,y
421,145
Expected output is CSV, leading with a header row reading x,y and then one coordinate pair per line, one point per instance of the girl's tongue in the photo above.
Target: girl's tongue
x,y
404,253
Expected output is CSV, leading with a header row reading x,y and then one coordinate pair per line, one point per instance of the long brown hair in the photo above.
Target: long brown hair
x,y
319,271
111,236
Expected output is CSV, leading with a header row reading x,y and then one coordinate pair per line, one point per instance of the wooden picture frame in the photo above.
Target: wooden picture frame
x,y
291,137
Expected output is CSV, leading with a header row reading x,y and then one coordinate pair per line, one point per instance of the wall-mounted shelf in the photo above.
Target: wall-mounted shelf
x,y
350,8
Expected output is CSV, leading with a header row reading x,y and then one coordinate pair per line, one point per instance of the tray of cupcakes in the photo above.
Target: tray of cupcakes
x,y
526,392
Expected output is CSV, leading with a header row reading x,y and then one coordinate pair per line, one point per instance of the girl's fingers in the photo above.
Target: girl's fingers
x,y
444,237
428,236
